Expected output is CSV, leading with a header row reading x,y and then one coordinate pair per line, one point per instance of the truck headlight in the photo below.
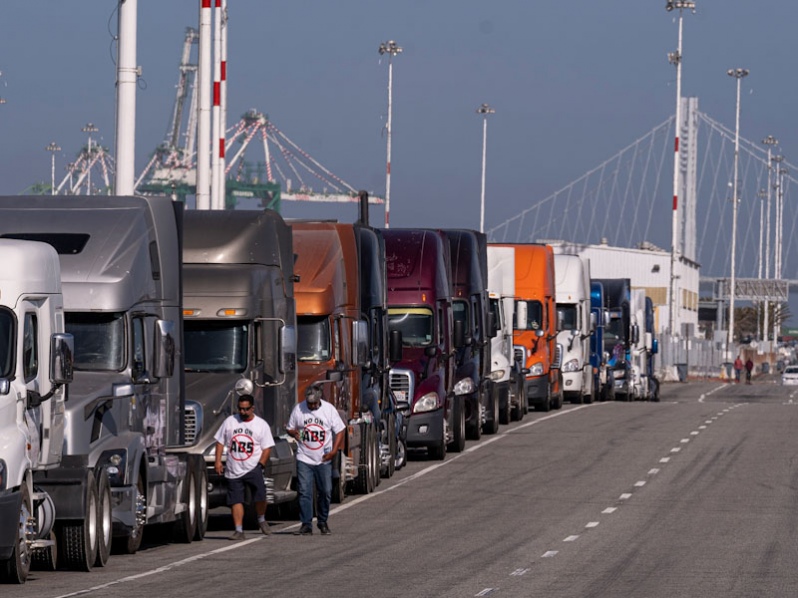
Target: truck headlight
x,y
572,365
495,375
619,374
429,402
536,369
464,387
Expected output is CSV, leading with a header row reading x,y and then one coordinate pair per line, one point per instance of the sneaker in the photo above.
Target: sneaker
x,y
264,528
305,530
237,536
325,531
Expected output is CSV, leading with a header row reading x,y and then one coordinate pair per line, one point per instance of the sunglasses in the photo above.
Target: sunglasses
x,y
245,408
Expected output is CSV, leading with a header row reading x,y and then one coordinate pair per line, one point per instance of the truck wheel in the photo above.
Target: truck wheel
x,y
492,425
105,527
438,451
184,526
371,459
363,484
474,430
401,453
132,542
390,441
338,483
201,525
79,539
459,423
546,404
505,408
375,455
16,568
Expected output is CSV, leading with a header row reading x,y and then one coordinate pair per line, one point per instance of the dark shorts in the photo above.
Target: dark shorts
x,y
236,487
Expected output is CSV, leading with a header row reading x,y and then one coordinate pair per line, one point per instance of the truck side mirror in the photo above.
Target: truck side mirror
x,y
560,321
360,342
62,349
635,334
459,334
287,349
395,346
593,322
491,325
164,349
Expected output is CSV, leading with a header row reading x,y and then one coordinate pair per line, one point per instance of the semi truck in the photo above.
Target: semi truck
x,y
644,384
535,326
575,324
618,335
505,370
239,325
35,367
469,253
424,339
603,384
333,340
121,467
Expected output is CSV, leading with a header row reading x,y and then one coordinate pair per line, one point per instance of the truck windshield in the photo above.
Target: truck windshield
x,y
496,310
99,340
415,324
215,346
6,342
534,315
313,338
566,315
613,334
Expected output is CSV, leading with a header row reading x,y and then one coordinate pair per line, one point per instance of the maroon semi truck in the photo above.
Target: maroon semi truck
x,y
421,320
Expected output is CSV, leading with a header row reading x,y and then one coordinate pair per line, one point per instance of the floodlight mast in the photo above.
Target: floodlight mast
x,y
769,141
391,49
484,110
675,58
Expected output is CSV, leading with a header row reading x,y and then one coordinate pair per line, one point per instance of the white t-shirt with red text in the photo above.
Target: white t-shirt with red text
x,y
317,430
245,443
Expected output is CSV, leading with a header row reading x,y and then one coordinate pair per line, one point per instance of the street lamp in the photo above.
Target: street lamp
x,y
89,128
52,148
769,141
391,49
737,74
484,110
675,58
779,235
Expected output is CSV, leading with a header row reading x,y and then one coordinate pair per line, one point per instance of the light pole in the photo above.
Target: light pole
x,y
391,49
676,59
89,128
779,236
738,74
484,110
769,141
53,147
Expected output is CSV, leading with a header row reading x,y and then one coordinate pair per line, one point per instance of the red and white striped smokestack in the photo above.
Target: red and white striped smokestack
x,y
216,110
223,109
204,117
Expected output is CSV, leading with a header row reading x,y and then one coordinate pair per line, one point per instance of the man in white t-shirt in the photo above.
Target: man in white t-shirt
x,y
248,440
319,432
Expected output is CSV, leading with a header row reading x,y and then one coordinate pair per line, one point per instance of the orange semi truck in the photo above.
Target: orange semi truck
x,y
535,331
332,343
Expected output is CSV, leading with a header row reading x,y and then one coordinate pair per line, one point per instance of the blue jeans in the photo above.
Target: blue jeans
x,y
307,475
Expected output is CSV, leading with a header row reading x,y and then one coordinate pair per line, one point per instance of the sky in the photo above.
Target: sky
x,y
572,83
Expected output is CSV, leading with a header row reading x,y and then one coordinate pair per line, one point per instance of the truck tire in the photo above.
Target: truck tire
x,y
78,549
389,439
338,483
105,527
492,424
474,430
201,526
130,543
546,404
437,452
184,526
459,425
364,483
375,456
505,408
16,568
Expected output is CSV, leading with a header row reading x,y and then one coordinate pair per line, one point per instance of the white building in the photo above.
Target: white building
x,y
648,268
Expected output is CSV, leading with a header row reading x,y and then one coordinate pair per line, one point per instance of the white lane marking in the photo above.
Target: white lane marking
x,y
664,459
653,471
338,509
695,433
548,554
519,572
625,496
676,449
609,510
570,538
684,440
640,484
708,422
592,524
486,592
702,427
706,394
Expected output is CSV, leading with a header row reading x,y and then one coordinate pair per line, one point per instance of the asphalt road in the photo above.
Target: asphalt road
x,y
694,496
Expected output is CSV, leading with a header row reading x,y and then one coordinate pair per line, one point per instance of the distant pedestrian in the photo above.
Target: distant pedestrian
x,y
738,367
749,368
319,432
248,440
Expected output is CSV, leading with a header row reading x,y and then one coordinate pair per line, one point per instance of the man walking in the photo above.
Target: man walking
x,y
319,432
248,439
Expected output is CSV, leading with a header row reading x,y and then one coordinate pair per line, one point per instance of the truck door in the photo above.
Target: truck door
x,y
148,410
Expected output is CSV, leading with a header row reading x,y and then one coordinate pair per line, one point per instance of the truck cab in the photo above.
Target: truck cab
x,y
602,380
35,366
618,335
239,323
421,321
575,324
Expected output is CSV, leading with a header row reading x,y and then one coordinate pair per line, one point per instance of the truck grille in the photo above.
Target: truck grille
x,y
402,385
519,354
192,421
557,357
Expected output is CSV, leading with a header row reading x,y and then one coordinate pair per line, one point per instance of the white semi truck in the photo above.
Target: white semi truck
x,y
35,366
575,324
